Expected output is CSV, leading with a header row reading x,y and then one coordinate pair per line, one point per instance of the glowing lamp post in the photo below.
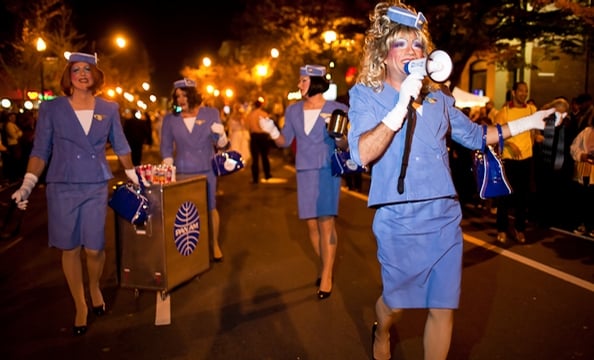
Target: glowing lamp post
x,y
41,46
261,73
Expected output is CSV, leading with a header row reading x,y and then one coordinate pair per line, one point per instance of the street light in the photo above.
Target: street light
x,y
120,41
261,71
41,46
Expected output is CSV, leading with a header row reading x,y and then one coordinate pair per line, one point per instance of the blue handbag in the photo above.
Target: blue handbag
x,y
342,164
129,202
227,162
488,169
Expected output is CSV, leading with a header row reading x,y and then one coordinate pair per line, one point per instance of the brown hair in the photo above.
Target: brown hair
x,y
194,97
96,73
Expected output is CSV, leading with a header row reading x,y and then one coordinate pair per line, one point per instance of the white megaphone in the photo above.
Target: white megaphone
x,y
438,66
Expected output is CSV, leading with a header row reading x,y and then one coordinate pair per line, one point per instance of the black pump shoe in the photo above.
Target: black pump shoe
x,y
99,310
323,294
79,330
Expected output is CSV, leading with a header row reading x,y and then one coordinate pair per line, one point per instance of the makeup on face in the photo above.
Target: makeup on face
x,y
403,43
80,68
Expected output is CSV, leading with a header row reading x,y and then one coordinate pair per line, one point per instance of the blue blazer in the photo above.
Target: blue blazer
x,y
73,156
428,175
194,150
313,150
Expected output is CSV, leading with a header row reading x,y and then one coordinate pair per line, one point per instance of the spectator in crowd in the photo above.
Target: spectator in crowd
x,y
239,136
519,167
417,215
27,124
73,131
490,112
13,135
554,169
189,136
317,189
584,112
582,151
3,148
137,128
259,142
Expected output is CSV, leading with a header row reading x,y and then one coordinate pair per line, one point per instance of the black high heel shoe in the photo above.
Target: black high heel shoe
x,y
99,310
323,294
79,330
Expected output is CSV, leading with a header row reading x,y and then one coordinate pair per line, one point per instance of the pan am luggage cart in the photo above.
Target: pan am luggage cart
x,y
172,247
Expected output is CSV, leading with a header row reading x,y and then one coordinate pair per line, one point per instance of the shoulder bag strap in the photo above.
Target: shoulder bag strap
x,y
410,128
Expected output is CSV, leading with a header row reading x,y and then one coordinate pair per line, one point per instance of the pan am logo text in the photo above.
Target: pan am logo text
x,y
186,229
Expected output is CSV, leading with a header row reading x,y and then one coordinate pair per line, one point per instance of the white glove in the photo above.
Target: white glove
x,y
20,196
168,161
267,125
219,129
131,174
409,89
534,121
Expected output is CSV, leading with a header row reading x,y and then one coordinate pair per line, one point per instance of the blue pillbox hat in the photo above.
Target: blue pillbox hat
x,y
83,57
406,17
184,83
312,70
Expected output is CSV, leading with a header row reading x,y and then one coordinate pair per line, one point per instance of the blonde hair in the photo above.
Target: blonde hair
x,y
379,39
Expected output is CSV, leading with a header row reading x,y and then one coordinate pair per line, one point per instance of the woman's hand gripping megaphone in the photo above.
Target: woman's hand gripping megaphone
x,y
409,91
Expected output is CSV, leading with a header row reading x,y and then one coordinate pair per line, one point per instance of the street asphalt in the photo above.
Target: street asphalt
x,y
260,303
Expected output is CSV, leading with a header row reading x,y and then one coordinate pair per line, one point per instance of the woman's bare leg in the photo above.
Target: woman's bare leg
x,y
215,223
72,268
386,318
95,264
328,242
438,333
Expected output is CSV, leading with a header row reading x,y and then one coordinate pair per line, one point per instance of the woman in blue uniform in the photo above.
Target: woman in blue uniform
x,y
73,131
317,189
189,136
417,226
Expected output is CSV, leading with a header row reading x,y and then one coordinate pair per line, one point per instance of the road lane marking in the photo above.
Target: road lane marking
x,y
533,264
12,243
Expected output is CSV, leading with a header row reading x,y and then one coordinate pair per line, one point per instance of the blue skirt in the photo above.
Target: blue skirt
x,y
317,193
420,253
76,215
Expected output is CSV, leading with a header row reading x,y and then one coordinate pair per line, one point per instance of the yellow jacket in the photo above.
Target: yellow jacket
x,y
517,147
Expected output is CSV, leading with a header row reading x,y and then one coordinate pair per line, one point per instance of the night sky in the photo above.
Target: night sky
x,y
174,32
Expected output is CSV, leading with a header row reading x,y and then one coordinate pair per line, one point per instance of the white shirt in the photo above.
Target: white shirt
x,y
85,117
309,117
